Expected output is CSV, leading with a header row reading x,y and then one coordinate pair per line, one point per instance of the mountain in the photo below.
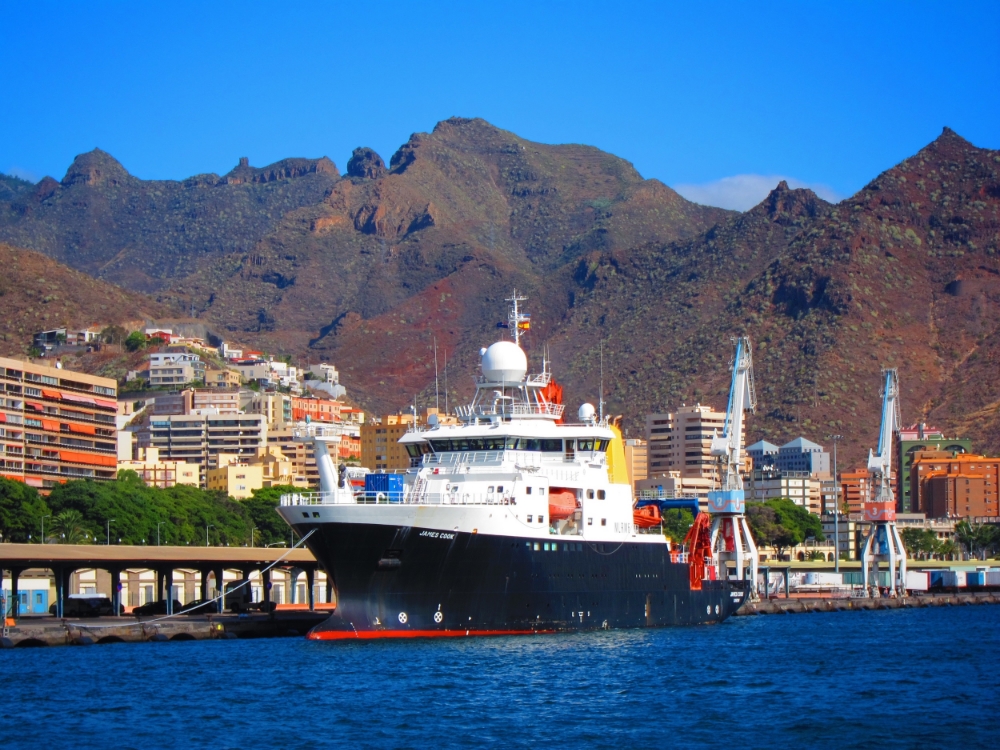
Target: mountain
x,y
904,274
300,259
37,294
369,268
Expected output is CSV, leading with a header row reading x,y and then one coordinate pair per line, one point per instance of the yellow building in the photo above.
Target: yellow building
x,y
278,469
635,460
222,378
238,480
157,473
302,455
380,448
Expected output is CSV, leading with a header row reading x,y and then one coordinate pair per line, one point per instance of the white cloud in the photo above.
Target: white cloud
x,y
24,174
742,192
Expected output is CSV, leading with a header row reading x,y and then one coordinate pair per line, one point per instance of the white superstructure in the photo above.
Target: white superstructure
x,y
510,467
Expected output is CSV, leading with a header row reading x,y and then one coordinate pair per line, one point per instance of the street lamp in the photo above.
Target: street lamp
x,y
209,526
109,529
43,527
252,530
836,506
158,524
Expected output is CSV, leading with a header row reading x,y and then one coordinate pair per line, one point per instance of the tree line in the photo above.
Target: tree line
x,y
126,511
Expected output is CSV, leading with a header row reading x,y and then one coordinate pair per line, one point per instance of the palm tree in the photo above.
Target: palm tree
x,y
975,537
947,548
69,528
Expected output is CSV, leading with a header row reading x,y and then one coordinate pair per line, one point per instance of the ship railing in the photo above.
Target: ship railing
x,y
506,409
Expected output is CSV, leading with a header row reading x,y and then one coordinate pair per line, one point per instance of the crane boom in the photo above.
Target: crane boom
x,y
882,460
730,536
729,445
884,542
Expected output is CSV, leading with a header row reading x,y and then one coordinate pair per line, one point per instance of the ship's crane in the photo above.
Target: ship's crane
x,y
883,542
730,536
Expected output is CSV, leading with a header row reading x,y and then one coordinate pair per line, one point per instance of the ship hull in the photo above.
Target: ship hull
x,y
405,582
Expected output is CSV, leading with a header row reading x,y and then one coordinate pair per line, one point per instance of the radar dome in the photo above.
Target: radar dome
x,y
587,413
504,362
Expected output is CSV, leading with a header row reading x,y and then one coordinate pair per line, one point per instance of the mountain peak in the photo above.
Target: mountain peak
x,y
365,164
95,167
788,202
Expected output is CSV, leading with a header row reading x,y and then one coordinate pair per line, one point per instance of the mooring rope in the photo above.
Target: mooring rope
x,y
141,623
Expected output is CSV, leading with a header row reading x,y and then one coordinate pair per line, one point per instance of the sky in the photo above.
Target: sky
x,y
719,100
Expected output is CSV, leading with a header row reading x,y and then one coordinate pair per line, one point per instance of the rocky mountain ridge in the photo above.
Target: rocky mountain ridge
x,y
369,269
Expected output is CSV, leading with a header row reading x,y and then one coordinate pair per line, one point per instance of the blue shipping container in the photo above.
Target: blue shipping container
x,y
384,488
975,578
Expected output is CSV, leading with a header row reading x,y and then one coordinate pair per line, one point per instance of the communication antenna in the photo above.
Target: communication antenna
x,y
600,401
446,381
437,392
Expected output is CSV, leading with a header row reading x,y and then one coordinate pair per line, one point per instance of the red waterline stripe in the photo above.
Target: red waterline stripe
x,y
341,635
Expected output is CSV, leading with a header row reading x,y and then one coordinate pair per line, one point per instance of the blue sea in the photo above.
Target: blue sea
x,y
901,678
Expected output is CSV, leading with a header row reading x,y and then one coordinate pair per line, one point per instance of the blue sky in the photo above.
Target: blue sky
x,y
722,99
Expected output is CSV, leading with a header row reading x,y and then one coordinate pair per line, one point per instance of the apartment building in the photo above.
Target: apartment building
x,y
801,487
159,473
301,455
198,401
636,460
949,484
56,424
274,406
316,409
912,440
762,454
854,487
216,378
681,441
380,448
201,438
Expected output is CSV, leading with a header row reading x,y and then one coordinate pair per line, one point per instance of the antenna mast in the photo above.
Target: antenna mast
x,y
517,321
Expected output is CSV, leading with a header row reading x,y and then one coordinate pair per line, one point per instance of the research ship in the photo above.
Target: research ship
x,y
510,521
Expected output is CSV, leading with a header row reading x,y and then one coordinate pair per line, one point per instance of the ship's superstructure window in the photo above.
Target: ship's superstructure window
x,y
590,494
527,490
529,518
601,494
544,445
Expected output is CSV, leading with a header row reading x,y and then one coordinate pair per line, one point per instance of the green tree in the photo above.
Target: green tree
x,y
135,341
781,524
21,511
114,335
68,527
976,538
919,542
261,512
676,523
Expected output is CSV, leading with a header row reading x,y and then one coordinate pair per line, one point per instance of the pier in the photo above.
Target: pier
x,y
209,563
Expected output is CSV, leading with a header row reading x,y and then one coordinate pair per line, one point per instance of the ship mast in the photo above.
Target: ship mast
x,y
517,321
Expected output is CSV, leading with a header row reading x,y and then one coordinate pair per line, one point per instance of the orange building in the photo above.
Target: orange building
x,y
854,487
56,424
317,409
955,485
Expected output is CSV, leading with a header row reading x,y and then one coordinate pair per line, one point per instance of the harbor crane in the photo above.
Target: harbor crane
x,y
884,543
730,535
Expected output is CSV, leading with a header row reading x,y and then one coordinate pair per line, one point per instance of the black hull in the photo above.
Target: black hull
x,y
396,581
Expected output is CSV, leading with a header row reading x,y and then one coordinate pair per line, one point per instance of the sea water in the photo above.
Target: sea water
x,y
899,678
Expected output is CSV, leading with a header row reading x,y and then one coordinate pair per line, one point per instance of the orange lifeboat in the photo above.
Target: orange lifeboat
x,y
562,503
647,516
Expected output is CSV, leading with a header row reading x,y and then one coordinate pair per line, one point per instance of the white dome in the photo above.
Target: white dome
x,y
504,362
587,412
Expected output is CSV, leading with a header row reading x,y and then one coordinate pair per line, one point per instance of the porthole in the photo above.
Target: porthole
x,y
403,618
